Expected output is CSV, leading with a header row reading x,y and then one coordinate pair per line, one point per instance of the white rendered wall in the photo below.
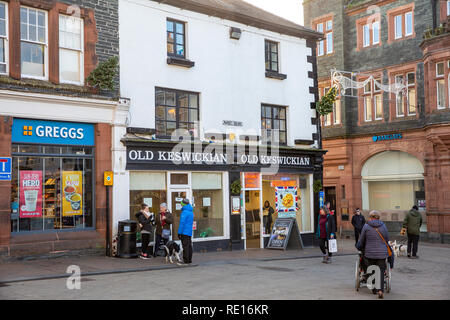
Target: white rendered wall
x,y
229,74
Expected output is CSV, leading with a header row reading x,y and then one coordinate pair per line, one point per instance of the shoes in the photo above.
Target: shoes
x,y
330,260
325,259
182,263
380,294
143,257
415,257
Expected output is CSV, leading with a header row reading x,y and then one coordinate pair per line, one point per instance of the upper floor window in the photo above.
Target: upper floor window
x,y
405,101
271,53
71,63
334,117
176,110
33,43
372,97
448,8
3,38
325,46
440,85
273,124
368,31
176,37
401,22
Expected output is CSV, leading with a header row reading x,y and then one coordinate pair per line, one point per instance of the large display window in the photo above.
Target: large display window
x,y
52,188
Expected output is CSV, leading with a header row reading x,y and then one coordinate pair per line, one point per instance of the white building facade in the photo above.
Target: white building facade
x,y
241,82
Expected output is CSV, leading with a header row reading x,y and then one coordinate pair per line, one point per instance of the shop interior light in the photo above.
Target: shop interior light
x,y
235,33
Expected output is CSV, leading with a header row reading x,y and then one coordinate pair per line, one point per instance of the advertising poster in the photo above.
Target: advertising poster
x,y
280,234
72,184
286,201
30,202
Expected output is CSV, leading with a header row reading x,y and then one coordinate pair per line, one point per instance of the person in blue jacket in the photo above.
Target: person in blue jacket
x,y
325,231
185,230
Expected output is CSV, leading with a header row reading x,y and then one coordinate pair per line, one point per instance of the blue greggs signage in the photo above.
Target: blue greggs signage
x,y
384,137
52,132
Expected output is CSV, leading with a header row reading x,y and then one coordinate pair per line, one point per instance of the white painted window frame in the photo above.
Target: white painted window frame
x,y
80,51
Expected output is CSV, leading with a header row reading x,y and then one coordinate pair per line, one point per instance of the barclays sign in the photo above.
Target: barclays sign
x,y
385,137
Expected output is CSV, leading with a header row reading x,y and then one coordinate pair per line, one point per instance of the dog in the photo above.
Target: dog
x,y
173,250
398,248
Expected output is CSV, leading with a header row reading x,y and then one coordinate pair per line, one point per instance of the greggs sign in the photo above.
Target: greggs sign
x,y
52,132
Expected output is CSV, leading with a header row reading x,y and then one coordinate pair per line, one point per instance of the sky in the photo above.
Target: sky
x,y
289,9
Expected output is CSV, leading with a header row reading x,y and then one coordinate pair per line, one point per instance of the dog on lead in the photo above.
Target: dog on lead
x,y
398,248
173,250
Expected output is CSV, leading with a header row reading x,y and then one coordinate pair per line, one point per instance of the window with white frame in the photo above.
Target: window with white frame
x,y
370,34
378,101
3,38
320,49
408,24
329,36
400,99
398,26
448,8
411,87
337,112
368,101
376,32
71,65
33,43
327,117
366,35
440,85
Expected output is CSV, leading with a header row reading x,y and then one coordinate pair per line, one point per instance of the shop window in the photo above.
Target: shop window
x,y
34,46
50,193
208,208
3,38
301,183
149,188
71,40
273,124
179,178
176,110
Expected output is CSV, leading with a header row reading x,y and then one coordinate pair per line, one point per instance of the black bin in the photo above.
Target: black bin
x,y
126,246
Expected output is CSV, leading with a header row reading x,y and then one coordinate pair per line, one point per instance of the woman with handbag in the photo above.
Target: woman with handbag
x,y
325,232
373,242
146,222
163,220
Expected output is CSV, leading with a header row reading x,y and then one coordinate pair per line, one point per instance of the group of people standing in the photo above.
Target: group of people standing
x,y
162,221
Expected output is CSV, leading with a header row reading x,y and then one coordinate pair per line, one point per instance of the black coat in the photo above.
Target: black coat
x,y
147,223
358,222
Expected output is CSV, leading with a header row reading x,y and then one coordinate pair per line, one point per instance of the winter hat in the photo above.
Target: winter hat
x,y
185,202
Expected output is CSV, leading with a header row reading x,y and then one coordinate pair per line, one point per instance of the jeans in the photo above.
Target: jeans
x,y
357,234
413,241
158,239
186,241
323,244
381,263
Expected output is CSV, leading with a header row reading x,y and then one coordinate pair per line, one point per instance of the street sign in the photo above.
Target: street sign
x,y
285,234
108,178
5,169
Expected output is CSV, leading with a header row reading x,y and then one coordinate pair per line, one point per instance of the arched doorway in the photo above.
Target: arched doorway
x,y
393,181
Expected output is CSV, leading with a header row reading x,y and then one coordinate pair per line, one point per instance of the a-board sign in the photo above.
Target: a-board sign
x,y
285,234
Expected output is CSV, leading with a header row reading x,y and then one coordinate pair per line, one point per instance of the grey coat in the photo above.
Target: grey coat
x,y
371,243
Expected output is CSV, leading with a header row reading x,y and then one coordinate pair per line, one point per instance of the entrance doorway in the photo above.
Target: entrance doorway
x,y
253,218
176,196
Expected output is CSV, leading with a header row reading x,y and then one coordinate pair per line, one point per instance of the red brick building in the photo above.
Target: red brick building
x,y
384,151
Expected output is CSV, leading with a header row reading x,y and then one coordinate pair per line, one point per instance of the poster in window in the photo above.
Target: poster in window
x,y
72,184
286,201
30,202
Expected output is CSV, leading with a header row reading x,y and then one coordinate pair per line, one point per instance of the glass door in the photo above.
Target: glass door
x,y
176,196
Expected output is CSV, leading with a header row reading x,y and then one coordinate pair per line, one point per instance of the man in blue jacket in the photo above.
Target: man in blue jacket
x,y
185,230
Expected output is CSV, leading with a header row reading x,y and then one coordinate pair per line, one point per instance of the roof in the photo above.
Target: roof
x,y
245,13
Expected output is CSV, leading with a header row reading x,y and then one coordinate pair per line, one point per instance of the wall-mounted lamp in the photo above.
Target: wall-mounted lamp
x,y
235,33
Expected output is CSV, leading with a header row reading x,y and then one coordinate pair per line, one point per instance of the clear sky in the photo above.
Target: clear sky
x,y
289,9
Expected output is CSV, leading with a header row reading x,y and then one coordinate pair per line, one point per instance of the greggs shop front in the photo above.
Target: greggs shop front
x,y
228,188
53,186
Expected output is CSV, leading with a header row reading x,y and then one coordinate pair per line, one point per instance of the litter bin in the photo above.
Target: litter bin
x,y
126,246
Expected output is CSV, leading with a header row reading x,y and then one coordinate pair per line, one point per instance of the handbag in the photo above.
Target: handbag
x,y
165,233
332,245
389,249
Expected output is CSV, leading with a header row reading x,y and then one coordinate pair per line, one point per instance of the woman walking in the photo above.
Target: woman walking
x,y
325,232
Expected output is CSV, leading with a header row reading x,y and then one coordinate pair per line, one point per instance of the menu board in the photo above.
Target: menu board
x,y
73,193
284,234
30,197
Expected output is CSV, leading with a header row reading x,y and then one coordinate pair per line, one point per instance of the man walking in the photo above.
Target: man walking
x,y
412,224
358,222
185,230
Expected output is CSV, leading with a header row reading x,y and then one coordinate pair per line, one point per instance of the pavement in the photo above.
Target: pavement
x,y
54,266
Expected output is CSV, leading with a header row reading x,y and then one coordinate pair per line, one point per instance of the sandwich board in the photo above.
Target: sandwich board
x,y
285,235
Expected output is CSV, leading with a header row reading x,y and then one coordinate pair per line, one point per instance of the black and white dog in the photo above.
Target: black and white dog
x,y
173,250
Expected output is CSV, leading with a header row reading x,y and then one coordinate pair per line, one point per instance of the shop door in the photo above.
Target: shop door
x,y
252,219
330,195
176,196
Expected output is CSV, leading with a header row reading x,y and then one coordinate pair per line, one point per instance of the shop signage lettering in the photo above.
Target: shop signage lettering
x,y
180,157
52,132
387,137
